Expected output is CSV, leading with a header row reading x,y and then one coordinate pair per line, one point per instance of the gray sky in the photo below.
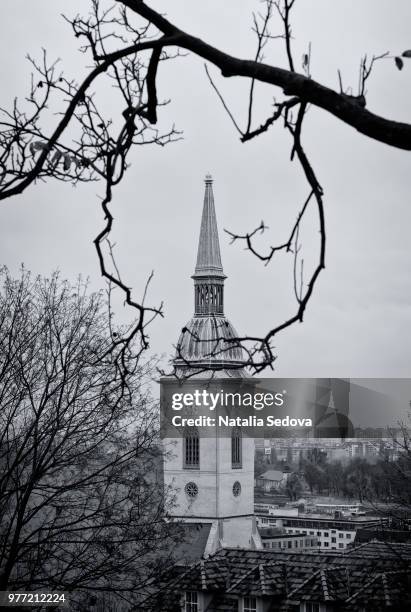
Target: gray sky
x,y
359,320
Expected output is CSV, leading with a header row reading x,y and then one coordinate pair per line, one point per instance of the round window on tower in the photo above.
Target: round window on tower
x,y
236,489
191,489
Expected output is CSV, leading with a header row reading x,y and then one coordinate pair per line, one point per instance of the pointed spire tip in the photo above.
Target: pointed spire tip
x,y
208,254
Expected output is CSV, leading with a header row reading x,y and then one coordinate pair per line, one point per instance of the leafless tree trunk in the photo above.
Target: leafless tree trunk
x,y
82,506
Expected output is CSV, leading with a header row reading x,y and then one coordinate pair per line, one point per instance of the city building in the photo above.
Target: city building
x,y
212,476
279,539
331,533
384,534
271,480
335,509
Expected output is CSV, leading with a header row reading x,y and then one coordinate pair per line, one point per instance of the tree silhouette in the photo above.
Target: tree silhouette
x,y
82,507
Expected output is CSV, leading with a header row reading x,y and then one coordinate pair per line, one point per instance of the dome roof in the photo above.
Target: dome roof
x,y
203,343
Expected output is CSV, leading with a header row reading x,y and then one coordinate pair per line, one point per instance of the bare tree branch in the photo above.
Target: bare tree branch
x,y
346,108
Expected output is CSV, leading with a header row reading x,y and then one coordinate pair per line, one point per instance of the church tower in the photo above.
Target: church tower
x,y
213,476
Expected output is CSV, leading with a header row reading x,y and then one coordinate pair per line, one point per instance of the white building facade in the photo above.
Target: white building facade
x,y
331,534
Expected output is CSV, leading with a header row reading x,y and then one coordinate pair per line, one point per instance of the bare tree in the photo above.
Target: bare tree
x,y
392,480
127,43
82,506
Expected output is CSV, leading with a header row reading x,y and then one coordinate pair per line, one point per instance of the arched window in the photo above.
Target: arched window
x,y
236,448
191,448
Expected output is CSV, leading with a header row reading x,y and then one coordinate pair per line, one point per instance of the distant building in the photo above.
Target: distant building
x,y
340,509
375,534
262,505
279,511
331,533
271,480
371,432
278,539
368,448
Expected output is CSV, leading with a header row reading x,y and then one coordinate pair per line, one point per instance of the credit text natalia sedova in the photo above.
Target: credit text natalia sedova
x,y
250,421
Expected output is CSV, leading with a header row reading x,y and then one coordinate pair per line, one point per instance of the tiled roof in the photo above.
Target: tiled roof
x,y
384,590
326,584
261,579
285,579
382,550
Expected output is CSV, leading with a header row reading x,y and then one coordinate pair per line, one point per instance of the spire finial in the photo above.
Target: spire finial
x,y
208,178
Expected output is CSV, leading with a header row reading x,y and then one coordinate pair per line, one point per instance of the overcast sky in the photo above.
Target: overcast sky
x,y
358,323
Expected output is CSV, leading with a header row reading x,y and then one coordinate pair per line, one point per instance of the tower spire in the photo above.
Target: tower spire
x,y
208,254
205,342
208,275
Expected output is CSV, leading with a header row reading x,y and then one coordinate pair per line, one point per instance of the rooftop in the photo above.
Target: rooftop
x,y
351,578
193,540
323,517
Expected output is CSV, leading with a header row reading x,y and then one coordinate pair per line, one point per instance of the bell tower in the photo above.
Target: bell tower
x,y
213,475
